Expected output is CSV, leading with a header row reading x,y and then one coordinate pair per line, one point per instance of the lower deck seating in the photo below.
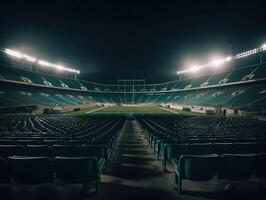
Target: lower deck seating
x,y
41,170
56,150
222,152
227,167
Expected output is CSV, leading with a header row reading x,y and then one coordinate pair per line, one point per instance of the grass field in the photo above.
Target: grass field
x,y
130,111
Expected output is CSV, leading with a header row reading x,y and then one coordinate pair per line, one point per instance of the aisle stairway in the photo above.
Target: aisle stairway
x,y
135,173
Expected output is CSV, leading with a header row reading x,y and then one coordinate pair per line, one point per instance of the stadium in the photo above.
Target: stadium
x,y
201,135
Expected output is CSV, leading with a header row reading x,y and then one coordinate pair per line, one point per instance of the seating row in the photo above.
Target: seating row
x,y
176,150
42,170
98,151
230,167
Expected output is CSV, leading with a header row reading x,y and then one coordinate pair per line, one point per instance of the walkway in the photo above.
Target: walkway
x,y
135,173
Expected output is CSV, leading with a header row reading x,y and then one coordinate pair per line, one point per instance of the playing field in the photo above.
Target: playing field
x,y
119,110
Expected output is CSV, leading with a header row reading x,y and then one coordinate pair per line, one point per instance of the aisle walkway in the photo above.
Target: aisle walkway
x,y
135,173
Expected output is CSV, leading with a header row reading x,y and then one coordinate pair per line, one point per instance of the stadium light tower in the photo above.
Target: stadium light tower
x,y
28,58
219,62
263,46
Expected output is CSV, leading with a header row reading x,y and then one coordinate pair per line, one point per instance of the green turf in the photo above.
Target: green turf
x,y
120,110
133,110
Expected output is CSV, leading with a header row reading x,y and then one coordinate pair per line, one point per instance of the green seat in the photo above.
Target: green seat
x,y
173,151
74,170
195,168
236,166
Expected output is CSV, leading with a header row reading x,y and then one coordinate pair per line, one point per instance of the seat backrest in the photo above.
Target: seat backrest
x,y
4,171
39,151
12,150
66,150
200,148
7,142
99,151
31,170
244,148
76,169
53,142
198,167
27,142
221,148
262,147
261,166
77,142
236,166
175,150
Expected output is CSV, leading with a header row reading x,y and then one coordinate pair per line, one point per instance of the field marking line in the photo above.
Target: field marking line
x,y
169,110
95,110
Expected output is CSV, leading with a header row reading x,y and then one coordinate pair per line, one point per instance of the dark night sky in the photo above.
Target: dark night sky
x,y
110,40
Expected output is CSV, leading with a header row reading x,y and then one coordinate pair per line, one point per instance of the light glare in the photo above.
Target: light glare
x,y
40,62
263,46
13,53
29,58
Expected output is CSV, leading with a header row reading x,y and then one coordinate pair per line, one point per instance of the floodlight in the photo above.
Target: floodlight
x,y
59,67
193,69
217,62
40,62
229,58
29,58
44,63
13,53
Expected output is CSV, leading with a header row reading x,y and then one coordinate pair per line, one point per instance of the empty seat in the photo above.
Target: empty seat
x,y
7,142
174,151
78,170
77,142
53,142
66,150
196,168
101,152
4,172
200,148
222,148
261,166
31,170
39,150
262,147
236,166
244,148
27,142
12,150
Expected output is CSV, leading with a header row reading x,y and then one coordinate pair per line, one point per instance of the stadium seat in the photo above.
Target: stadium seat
x,y
78,170
4,171
27,142
244,148
222,148
39,151
261,166
31,170
66,150
12,150
262,147
7,142
201,148
101,152
174,151
236,166
77,142
53,142
195,168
